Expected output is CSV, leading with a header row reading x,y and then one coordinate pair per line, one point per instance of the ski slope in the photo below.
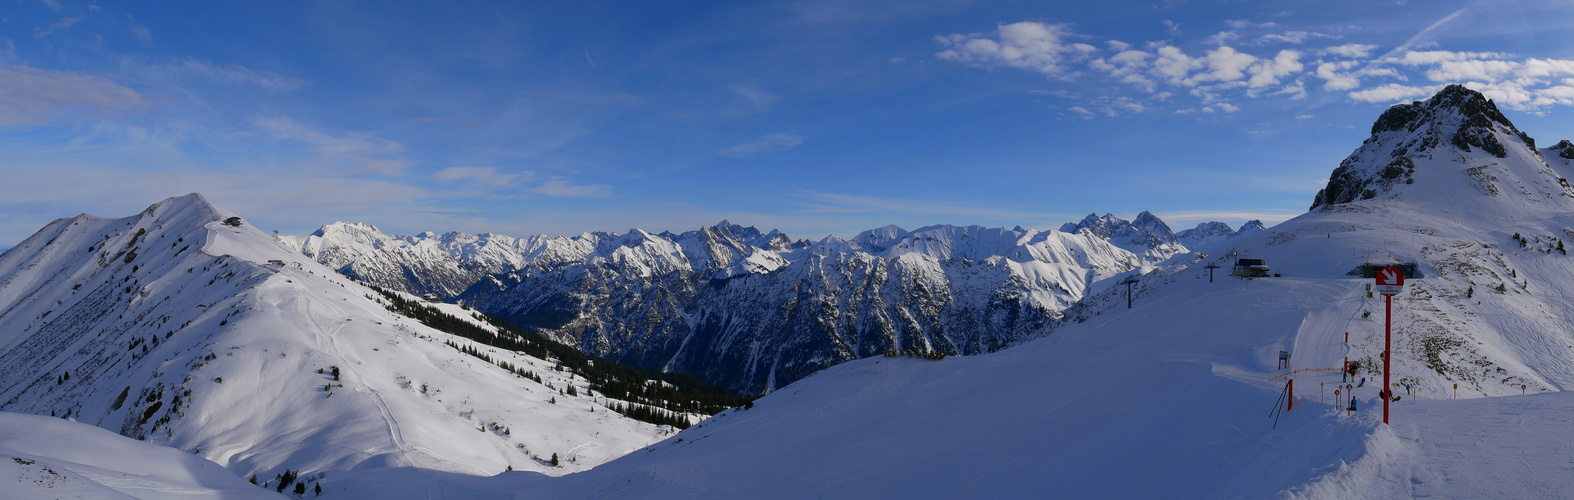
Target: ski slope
x,y
1132,404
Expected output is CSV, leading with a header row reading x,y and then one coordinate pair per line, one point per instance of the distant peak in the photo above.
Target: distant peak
x,y
188,201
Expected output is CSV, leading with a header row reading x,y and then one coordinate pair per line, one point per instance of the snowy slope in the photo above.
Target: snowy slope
x,y
1172,397
54,458
171,327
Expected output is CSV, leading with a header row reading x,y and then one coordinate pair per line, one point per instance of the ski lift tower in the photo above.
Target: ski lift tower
x,y
1210,268
1130,280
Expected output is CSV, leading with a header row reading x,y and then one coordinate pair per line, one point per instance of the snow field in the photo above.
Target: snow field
x,y
53,458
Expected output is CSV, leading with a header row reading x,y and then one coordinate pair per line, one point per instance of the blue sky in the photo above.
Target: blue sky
x,y
815,117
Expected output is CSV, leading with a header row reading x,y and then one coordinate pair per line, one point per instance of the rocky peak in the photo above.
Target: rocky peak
x,y
1148,223
1146,235
1564,149
1456,118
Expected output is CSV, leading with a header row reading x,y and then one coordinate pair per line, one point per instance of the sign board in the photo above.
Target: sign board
x,y
1390,280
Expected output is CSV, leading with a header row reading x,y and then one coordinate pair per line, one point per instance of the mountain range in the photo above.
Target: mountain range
x,y
756,311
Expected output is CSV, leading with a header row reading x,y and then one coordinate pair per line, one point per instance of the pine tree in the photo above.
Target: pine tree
x,y
300,489
319,489
554,460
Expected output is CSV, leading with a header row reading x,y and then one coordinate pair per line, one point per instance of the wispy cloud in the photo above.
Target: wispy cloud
x,y
559,187
1294,37
839,203
487,176
771,143
35,96
233,75
760,99
64,24
364,153
142,33
259,193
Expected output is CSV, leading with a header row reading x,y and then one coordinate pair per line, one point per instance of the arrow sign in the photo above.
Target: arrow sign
x,y
1390,280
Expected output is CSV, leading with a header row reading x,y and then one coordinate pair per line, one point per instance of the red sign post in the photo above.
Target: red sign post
x,y
1389,282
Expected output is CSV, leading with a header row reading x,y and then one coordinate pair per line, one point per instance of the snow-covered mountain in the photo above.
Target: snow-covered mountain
x,y
177,328
1170,398
755,311
1208,233
1146,235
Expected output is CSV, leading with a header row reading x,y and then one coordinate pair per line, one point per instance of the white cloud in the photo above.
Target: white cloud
x,y
1173,65
480,175
1127,66
1026,45
1223,37
1392,92
1351,50
560,188
1455,71
1516,84
770,143
1334,79
233,75
1223,64
1437,56
33,96
1268,71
